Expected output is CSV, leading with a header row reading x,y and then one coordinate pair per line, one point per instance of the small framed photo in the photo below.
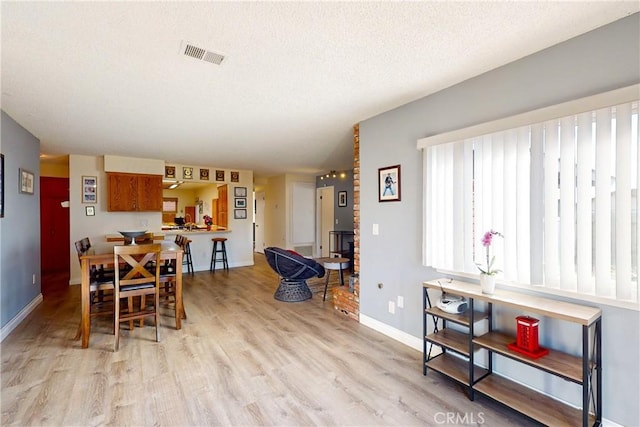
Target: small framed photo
x,y
169,171
235,176
90,210
241,202
204,174
342,199
89,189
240,191
187,172
240,213
219,175
26,181
389,184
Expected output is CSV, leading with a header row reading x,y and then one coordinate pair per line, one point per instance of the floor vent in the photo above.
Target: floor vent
x,y
196,52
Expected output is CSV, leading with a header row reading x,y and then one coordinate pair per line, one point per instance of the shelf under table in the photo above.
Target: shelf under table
x,y
556,362
455,367
529,402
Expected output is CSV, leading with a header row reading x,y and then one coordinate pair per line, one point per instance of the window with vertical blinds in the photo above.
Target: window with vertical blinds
x,y
562,191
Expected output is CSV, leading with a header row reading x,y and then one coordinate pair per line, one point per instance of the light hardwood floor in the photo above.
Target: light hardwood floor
x,y
241,358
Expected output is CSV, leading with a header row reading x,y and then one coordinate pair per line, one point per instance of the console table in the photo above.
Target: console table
x,y
585,369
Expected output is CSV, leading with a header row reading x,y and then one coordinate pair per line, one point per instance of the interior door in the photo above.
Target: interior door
x,y
325,218
258,243
54,224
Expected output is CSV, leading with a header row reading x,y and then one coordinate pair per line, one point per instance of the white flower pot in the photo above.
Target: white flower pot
x,y
488,283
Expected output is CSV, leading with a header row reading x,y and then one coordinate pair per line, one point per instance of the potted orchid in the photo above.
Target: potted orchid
x,y
487,276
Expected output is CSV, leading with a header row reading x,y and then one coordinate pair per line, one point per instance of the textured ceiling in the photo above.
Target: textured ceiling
x,y
108,78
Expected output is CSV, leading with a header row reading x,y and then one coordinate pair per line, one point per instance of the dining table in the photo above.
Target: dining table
x,y
102,254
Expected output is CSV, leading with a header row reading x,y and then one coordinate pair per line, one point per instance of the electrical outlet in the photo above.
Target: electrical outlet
x,y
336,221
400,302
392,307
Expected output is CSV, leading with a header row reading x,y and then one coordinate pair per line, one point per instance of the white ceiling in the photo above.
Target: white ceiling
x,y
108,78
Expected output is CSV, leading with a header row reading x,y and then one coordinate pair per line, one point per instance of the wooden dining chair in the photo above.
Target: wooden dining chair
x,y
100,287
168,277
134,278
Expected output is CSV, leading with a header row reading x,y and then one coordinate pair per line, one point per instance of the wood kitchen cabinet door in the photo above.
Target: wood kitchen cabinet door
x,y
134,192
123,191
149,193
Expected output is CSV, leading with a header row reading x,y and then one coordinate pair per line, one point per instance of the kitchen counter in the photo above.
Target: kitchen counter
x,y
201,244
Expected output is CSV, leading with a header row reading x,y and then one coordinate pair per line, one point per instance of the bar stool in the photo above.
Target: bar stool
x,y
183,242
222,251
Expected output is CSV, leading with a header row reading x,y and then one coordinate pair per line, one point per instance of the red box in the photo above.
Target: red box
x,y
527,333
527,338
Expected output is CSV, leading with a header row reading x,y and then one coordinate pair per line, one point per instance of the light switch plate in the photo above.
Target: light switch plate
x,y
376,230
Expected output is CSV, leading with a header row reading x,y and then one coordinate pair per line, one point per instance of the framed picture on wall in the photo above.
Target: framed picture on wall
x,y
342,199
240,191
240,214
90,210
389,184
241,202
89,189
26,181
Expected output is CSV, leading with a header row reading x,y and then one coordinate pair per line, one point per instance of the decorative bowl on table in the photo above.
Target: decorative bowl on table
x,y
132,234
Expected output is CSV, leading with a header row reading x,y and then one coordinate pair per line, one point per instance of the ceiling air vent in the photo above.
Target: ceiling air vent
x,y
189,49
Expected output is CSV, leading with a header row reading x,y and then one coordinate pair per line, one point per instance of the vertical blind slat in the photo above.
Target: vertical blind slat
x,y
510,209
551,196
523,209
604,179
567,204
584,220
536,221
623,202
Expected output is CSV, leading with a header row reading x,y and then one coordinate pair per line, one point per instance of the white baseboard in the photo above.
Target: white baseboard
x,y
398,335
13,323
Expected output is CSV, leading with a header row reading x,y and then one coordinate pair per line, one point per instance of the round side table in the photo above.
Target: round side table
x,y
329,264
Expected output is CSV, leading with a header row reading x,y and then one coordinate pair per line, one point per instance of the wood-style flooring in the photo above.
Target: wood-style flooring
x,y
242,358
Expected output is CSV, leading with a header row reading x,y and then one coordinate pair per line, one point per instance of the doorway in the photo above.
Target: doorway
x,y
258,225
54,234
325,219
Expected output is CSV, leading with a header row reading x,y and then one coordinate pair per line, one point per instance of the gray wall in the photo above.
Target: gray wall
x,y
604,59
20,227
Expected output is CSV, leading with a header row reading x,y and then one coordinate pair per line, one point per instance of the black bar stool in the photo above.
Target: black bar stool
x,y
222,251
183,242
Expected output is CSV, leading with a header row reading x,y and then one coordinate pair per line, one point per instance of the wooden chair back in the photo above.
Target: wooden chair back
x,y
137,274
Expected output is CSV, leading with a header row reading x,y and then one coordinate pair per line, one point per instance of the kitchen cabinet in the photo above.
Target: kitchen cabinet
x,y
458,360
128,192
222,210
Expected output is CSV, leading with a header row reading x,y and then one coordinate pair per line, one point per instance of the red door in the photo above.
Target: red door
x,y
54,225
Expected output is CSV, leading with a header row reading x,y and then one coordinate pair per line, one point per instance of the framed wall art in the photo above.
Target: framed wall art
x,y
342,199
241,202
389,184
240,214
204,174
187,172
26,181
90,210
219,175
89,189
169,171
240,191
235,176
